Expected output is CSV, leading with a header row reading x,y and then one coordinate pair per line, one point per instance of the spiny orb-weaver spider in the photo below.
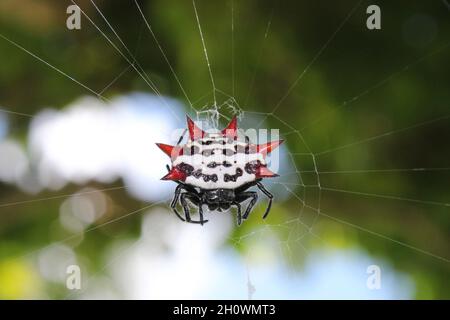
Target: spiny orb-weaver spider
x,y
216,169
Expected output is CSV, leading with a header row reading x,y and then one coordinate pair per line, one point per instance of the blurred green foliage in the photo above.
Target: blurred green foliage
x,y
362,85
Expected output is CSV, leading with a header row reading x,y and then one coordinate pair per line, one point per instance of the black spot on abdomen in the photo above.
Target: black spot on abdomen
x,y
252,166
232,177
186,168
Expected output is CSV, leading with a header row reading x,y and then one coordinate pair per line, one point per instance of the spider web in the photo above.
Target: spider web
x,y
294,230
306,191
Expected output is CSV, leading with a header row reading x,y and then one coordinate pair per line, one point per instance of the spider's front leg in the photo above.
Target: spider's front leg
x,y
239,213
195,199
268,195
241,197
174,202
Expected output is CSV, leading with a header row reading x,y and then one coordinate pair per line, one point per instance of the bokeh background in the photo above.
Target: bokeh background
x,y
363,112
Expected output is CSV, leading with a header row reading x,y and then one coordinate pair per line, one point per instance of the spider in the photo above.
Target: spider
x,y
216,169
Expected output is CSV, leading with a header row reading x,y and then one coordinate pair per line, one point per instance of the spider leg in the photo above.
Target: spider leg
x,y
268,195
239,213
244,196
181,137
173,204
200,213
195,200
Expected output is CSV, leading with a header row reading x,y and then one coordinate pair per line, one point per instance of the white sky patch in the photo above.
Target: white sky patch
x,y
13,161
92,140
